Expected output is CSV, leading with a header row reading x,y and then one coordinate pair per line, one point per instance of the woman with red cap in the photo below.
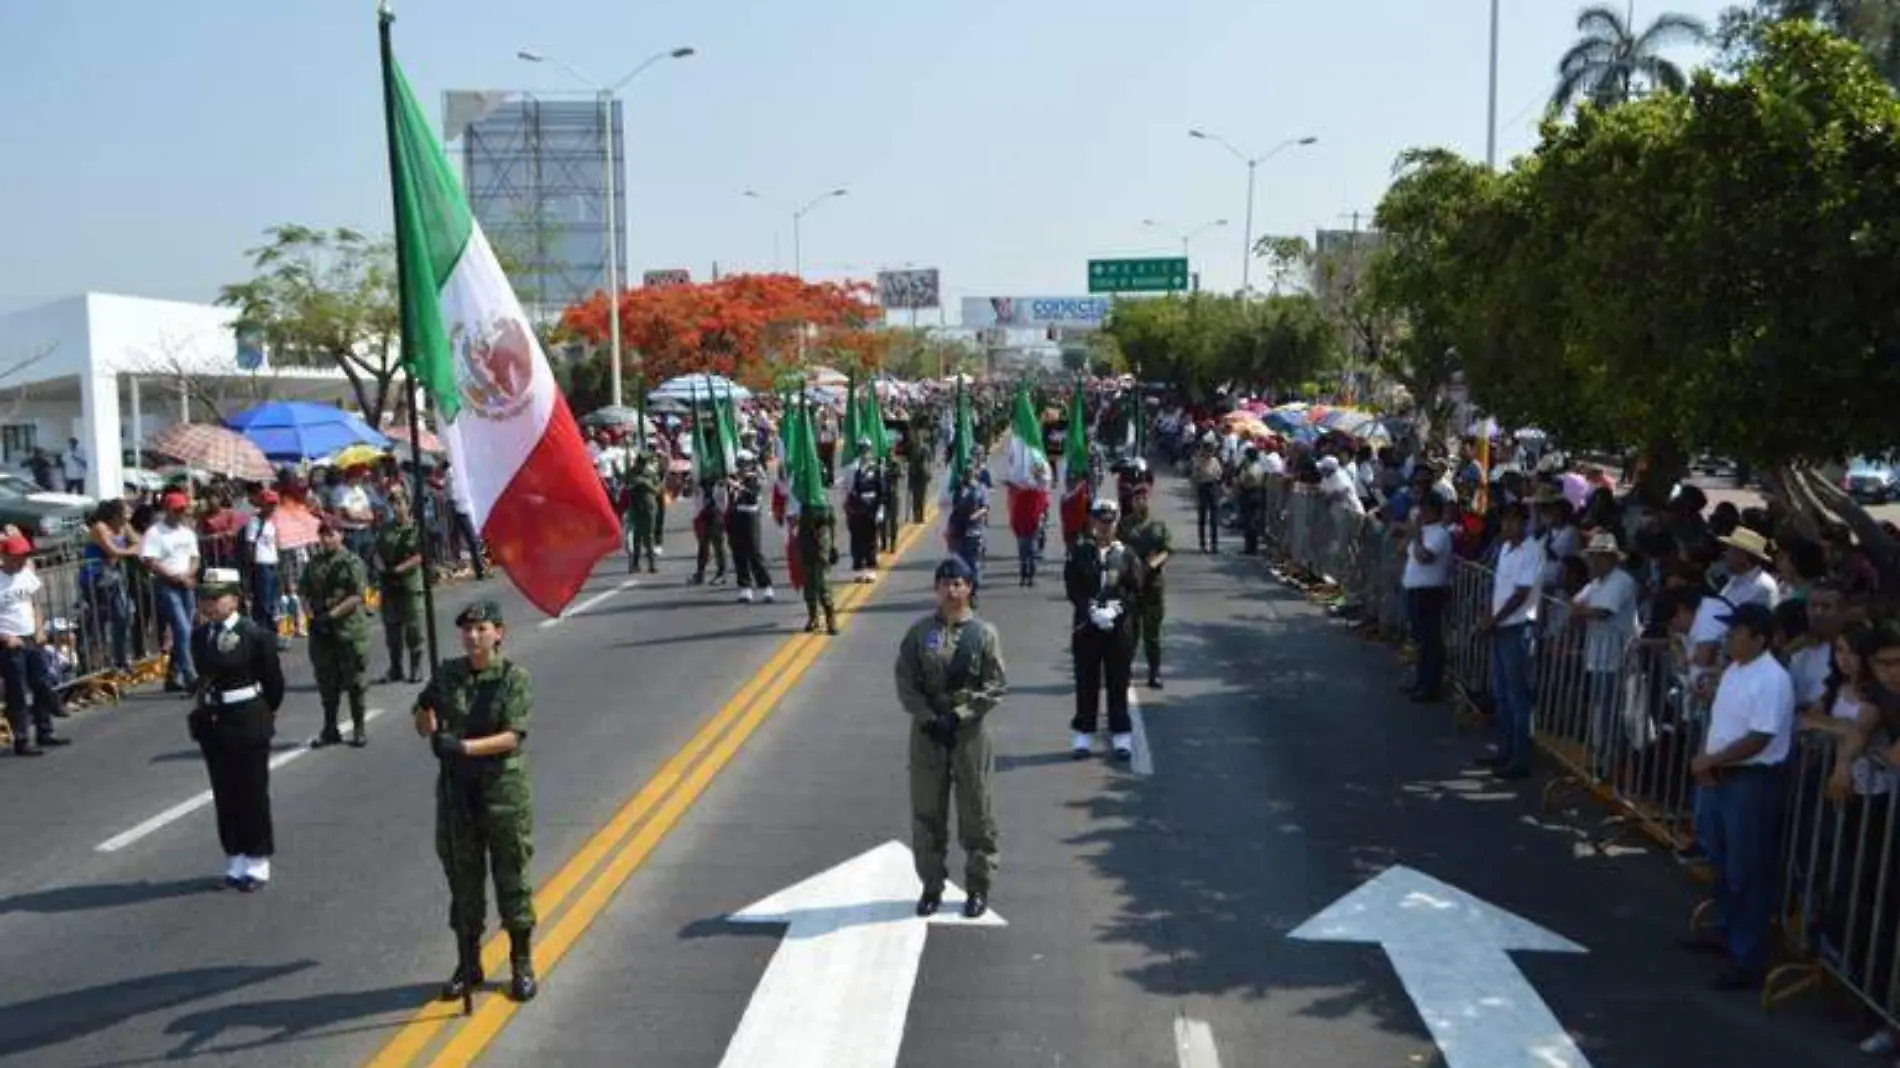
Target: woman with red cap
x,y
21,631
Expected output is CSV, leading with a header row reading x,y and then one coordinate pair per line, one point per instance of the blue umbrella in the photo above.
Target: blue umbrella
x,y
299,430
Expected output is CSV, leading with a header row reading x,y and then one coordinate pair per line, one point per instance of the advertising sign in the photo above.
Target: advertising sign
x,y
908,289
1036,313
657,279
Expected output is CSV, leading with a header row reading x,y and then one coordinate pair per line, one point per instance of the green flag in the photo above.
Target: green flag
x,y
850,431
871,422
1075,448
702,451
808,475
965,435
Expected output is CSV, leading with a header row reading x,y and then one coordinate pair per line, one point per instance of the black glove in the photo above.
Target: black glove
x,y
447,746
942,728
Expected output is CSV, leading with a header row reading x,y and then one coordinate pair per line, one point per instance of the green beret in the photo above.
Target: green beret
x,y
483,611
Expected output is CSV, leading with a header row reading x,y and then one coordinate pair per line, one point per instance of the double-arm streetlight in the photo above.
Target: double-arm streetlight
x,y
1253,164
1186,239
606,96
798,217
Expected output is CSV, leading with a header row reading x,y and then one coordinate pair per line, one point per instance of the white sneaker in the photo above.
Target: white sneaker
x,y
771,595
745,596
257,869
1878,1044
1124,746
233,868
657,551
1081,744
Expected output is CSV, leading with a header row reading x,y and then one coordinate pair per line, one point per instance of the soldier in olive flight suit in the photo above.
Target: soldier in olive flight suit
x,y
643,504
888,516
1152,543
950,675
917,466
399,551
332,588
814,542
476,712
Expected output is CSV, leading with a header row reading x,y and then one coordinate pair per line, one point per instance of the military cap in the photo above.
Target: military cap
x,y
220,582
482,611
954,567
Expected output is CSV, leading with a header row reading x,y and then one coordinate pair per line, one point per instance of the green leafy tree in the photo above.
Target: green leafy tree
x,y
1874,25
1611,63
327,298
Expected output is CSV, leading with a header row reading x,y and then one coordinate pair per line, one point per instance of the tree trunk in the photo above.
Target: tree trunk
x,y
1663,465
1811,502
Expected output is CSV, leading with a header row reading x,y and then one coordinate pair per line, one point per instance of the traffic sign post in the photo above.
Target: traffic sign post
x,y
1164,275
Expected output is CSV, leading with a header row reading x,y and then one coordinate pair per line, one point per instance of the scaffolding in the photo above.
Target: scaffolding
x,y
533,167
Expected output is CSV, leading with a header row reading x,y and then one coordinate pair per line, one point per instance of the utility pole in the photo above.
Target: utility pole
x,y
1491,110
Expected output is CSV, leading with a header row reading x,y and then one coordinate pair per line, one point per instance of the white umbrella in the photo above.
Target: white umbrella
x,y
685,386
827,376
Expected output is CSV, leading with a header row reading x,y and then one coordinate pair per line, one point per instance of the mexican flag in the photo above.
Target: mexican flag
x,y
517,461
1028,477
1075,466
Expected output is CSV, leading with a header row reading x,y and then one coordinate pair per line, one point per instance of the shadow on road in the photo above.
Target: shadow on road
x,y
90,897
60,1018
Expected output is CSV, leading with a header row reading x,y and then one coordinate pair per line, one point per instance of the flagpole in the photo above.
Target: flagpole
x,y
385,16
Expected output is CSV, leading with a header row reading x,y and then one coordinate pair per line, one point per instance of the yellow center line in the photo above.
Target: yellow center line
x,y
653,810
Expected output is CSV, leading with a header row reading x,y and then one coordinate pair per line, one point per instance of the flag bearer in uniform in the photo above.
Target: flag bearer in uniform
x,y
399,551
642,505
1151,542
817,551
743,530
1104,586
860,512
709,525
950,675
476,713
240,686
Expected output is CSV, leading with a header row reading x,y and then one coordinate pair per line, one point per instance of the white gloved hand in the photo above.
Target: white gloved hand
x,y
1103,616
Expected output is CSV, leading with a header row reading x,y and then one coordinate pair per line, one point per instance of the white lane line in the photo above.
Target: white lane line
x,y
193,804
590,602
1194,1043
1144,757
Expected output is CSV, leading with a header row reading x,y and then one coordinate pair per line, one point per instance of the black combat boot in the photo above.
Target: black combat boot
x,y
415,666
395,671
468,967
811,620
831,621
329,735
521,961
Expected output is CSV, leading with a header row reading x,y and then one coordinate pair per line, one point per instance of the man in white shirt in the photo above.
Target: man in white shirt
x,y
1744,553
170,552
1742,787
1510,622
260,537
20,635
1427,584
1607,605
72,464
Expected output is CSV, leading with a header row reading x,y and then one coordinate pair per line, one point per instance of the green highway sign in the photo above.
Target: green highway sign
x,y
1165,275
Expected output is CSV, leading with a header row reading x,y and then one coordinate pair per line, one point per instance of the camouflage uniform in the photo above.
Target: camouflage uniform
x,y
917,460
339,648
1148,537
402,596
484,806
815,556
924,687
887,505
643,508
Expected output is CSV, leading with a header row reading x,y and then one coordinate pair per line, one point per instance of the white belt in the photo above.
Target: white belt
x,y
231,697
745,507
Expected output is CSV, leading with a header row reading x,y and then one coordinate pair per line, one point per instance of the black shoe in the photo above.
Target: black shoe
x,y
1707,943
1124,756
811,625
929,903
50,740
652,569
466,979
60,713
976,905
1154,682
330,736
233,882
248,885
27,749
1735,977
521,986
359,738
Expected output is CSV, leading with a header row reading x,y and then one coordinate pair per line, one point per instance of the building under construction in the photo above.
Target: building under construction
x,y
535,170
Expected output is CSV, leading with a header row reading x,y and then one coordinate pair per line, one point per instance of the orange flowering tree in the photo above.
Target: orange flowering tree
x,y
743,326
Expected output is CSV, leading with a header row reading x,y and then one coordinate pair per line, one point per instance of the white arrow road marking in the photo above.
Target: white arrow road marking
x,y
1143,762
838,989
1452,954
591,602
187,807
1194,1043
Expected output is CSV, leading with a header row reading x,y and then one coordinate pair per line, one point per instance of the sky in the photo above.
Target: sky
x,y
146,146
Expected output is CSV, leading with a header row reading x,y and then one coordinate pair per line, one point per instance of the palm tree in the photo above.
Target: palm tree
x,y
1611,61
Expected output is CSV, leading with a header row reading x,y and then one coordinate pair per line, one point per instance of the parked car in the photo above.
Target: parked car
x,y
1870,480
44,517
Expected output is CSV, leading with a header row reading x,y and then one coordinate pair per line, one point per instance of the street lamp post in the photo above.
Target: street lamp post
x,y
1186,239
798,217
1253,165
608,164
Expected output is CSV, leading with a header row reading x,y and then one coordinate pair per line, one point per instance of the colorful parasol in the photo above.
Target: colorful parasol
x,y
213,449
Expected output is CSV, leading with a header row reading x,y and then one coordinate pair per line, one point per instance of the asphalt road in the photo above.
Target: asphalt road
x,y
1146,910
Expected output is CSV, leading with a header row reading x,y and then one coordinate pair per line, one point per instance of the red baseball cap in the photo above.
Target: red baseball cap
x,y
17,545
267,497
173,500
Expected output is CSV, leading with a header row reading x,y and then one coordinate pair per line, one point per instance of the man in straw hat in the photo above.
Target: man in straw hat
x,y
1607,604
239,692
1744,554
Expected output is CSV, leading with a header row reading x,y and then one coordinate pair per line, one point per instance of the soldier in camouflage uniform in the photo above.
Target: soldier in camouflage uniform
x,y
816,553
1151,542
332,588
917,467
399,551
643,505
476,712
950,675
888,516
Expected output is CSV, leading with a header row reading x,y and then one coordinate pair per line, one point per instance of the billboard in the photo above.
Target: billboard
x,y
672,277
1036,313
908,289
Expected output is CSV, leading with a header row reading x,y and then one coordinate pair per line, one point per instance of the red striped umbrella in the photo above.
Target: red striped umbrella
x,y
214,449
429,443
